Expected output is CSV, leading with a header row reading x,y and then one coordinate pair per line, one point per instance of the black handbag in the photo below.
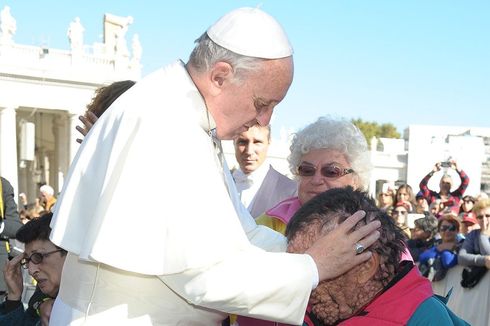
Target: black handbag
x,y
472,275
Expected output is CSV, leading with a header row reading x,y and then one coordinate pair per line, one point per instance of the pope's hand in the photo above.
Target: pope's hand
x,y
335,253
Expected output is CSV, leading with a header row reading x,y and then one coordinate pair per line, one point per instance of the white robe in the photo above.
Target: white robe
x,y
178,261
263,189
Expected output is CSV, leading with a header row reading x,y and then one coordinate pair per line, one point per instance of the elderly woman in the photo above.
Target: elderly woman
x,y
44,262
329,153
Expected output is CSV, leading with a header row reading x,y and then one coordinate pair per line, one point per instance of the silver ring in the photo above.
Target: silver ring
x,y
359,248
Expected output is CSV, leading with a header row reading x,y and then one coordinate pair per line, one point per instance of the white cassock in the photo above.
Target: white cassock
x,y
181,260
263,188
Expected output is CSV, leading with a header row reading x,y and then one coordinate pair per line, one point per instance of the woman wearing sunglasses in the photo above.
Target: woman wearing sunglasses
x,y
44,262
437,260
329,153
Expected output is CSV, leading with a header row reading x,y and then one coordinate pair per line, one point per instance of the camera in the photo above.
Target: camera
x,y
446,164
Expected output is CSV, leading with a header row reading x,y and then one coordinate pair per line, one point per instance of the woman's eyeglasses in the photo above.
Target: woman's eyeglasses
x,y
36,258
395,212
328,171
450,228
481,216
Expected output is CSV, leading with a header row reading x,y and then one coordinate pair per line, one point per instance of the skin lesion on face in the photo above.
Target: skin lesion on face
x,y
342,297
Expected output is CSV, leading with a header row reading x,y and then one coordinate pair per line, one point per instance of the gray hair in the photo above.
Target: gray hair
x,y
338,134
206,53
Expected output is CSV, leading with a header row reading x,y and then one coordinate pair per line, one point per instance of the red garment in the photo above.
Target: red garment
x,y
397,304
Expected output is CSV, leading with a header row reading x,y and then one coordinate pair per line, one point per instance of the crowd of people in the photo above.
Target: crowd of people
x,y
449,239
243,247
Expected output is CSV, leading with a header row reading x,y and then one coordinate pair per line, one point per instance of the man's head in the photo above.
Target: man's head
x,y
446,183
251,148
46,192
43,259
342,297
243,68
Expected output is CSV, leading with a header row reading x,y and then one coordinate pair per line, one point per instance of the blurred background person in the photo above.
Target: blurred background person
x,y
423,236
469,223
422,206
450,199
387,198
9,224
47,197
476,247
472,294
259,185
399,215
467,204
405,194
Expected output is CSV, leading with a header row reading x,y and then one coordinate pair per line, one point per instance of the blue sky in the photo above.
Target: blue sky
x,y
400,62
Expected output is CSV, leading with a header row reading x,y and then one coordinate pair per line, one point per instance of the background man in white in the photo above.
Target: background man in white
x,y
188,269
259,185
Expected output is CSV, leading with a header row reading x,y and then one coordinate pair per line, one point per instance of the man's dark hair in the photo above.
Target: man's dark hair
x,y
336,205
36,229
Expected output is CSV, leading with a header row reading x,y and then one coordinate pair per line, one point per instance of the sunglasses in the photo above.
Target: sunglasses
x,y
328,171
36,258
395,212
480,217
449,228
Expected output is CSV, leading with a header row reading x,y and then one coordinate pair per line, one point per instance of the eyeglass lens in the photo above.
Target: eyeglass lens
x,y
395,212
448,228
328,171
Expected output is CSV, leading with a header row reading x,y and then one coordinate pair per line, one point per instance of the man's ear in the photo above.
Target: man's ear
x,y
221,73
368,269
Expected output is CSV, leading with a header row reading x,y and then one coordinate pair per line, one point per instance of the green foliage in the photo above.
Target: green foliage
x,y
374,129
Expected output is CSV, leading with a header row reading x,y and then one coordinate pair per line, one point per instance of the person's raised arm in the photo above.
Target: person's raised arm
x,y
335,253
426,192
465,180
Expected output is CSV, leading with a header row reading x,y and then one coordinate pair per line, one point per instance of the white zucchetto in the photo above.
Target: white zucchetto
x,y
251,32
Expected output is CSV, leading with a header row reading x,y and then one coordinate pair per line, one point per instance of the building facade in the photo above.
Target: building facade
x,y
42,93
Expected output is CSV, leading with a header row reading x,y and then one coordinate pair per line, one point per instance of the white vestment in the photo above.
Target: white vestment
x,y
263,188
174,264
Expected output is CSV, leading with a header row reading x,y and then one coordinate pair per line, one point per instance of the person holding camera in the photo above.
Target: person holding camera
x,y
450,200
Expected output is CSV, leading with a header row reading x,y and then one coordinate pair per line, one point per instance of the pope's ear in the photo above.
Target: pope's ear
x,y
221,73
368,269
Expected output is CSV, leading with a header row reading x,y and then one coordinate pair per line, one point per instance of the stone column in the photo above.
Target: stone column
x,y
8,146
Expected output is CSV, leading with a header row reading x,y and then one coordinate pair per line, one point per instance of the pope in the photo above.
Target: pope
x,y
200,255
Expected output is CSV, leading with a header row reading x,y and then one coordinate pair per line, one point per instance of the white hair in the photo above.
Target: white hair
x,y
338,134
206,53
47,189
